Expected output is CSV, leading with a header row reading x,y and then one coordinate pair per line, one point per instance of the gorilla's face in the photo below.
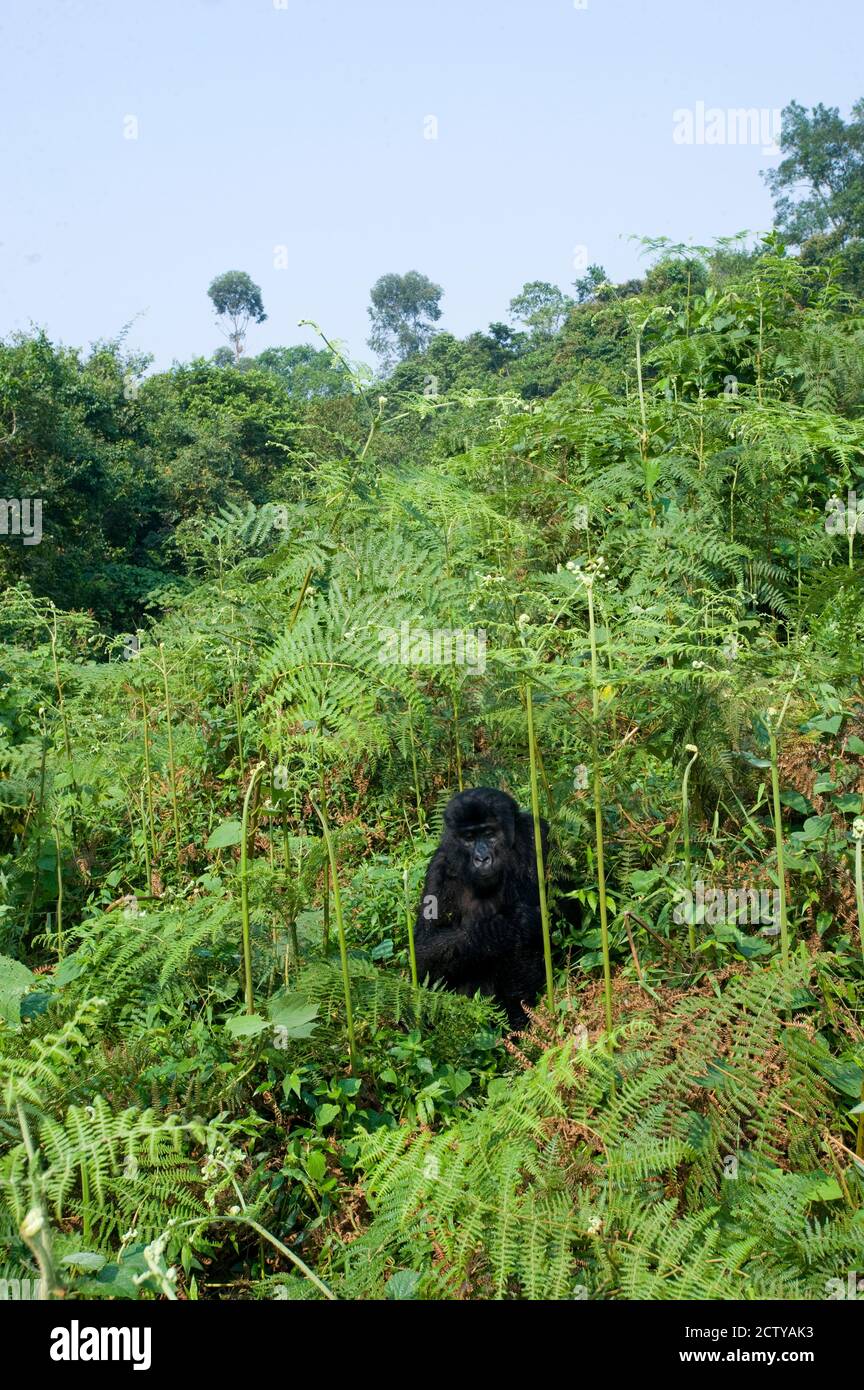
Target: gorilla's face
x,y
483,825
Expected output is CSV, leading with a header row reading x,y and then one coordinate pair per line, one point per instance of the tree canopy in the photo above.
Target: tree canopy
x,y
236,299
403,311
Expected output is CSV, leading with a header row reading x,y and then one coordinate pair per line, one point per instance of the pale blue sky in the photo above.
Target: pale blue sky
x,y
300,123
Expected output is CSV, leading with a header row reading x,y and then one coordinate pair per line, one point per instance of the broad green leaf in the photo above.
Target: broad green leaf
x,y
815,826
230,832
459,1082
316,1165
402,1285
824,1190
825,724
845,1077
756,762
15,980
69,969
245,1025
85,1259
293,1015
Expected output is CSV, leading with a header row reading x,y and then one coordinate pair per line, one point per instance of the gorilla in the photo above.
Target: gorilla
x,y
478,925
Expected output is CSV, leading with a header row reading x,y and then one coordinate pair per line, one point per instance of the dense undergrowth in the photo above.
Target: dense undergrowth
x,y
640,554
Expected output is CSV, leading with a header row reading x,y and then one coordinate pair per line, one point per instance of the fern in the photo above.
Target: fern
x,y
566,1182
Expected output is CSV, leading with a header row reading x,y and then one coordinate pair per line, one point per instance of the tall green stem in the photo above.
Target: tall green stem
x,y
244,889
148,776
538,849
325,927
34,1229
172,770
458,751
641,389
340,927
774,727
409,923
292,925
858,833
148,867
685,826
598,808
59,892
778,840
61,703
238,719
421,820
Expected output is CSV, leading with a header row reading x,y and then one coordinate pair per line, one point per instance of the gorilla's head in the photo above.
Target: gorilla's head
x,y
481,827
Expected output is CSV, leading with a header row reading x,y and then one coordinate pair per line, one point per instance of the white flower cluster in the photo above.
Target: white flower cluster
x,y
590,571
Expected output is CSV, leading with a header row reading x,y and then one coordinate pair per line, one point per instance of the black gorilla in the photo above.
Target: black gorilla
x,y
478,926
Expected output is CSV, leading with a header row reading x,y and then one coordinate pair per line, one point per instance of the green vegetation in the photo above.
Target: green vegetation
x,y
221,781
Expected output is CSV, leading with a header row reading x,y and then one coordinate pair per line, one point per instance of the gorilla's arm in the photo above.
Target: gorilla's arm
x,y
437,946
456,953
442,953
445,946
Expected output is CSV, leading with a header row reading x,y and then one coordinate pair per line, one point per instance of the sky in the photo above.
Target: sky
x,y
317,144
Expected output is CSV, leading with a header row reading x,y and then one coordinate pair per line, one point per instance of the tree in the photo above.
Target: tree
x,y
308,373
403,310
588,284
818,188
237,298
541,307
676,279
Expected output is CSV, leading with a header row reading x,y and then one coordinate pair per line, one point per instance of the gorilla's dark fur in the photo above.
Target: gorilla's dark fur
x,y
478,926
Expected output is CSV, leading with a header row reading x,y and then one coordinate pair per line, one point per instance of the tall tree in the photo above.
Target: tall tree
x,y
541,307
588,284
403,311
237,300
818,188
